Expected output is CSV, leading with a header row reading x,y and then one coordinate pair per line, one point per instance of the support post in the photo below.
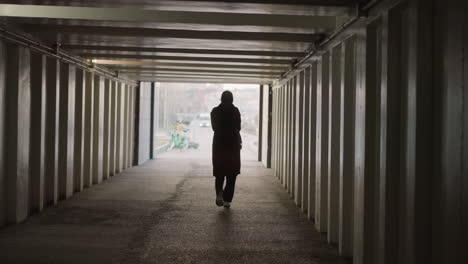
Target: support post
x,y
3,187
152,123
336,149
323,145
298,138
18,114
78,166
260,124
106,131
88,129
37,138
112,128
66,130
98,130
52,132
346,207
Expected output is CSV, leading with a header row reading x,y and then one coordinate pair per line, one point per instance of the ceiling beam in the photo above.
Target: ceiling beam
x,y
184,65
158,73
169,33
289,2
175,80
195,71
203,80
180,58
190,51
198,76
163,16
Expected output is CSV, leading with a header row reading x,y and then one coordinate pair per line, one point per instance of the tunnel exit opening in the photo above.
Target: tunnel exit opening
x,y
179,119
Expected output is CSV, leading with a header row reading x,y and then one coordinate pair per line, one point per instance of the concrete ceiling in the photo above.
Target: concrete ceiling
x,y
235,41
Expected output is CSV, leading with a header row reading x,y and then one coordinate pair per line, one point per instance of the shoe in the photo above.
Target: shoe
x,y
227,204
219,199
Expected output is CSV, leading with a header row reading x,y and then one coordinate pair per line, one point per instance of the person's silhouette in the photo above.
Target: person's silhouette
x,y
227,143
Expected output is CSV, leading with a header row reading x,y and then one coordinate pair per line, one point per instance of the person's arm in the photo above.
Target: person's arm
x,y
238,120
238,127
214,120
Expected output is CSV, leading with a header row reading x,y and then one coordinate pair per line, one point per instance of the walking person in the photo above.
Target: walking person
x,y
227,143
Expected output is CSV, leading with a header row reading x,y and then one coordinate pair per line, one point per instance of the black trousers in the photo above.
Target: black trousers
x,y
228,192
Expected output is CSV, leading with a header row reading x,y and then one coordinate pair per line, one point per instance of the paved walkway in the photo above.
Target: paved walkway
x,y
164,212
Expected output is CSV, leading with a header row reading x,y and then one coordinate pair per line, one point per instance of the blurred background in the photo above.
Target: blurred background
x,y
182,117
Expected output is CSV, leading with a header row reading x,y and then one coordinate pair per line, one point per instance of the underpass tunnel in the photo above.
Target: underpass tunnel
x,y
356,151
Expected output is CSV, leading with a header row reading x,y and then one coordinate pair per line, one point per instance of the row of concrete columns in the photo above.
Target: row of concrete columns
x,y
62,129
350,138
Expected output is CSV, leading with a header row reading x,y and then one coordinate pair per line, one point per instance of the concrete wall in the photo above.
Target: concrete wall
x,y
384,131
55,120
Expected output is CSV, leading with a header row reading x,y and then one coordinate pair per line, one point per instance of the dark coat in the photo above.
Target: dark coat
x,y
226,124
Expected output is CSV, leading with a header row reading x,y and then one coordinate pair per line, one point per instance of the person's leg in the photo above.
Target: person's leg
x,y
229,189
219,184
219,190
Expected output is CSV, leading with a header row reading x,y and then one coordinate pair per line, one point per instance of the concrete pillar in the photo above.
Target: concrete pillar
x,y
106,132
450,180
289,137
112,134
336,151
268,140
306,144
275,106
140,113
88,129
278,132
366,130
52,126
98,128
288,143
313,130
421,124
124,125
78,166
18,114
284,135
260,123
118,129
277,129
346,207
38,126
131,120
299,138
367,182
322,172
153,123
273,126
66,130
390,136
292,141
3,188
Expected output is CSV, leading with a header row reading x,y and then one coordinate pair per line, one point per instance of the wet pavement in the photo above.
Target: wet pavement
x,y
164,212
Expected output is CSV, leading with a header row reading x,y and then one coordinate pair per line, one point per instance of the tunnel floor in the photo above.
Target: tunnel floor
x,y
164,212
